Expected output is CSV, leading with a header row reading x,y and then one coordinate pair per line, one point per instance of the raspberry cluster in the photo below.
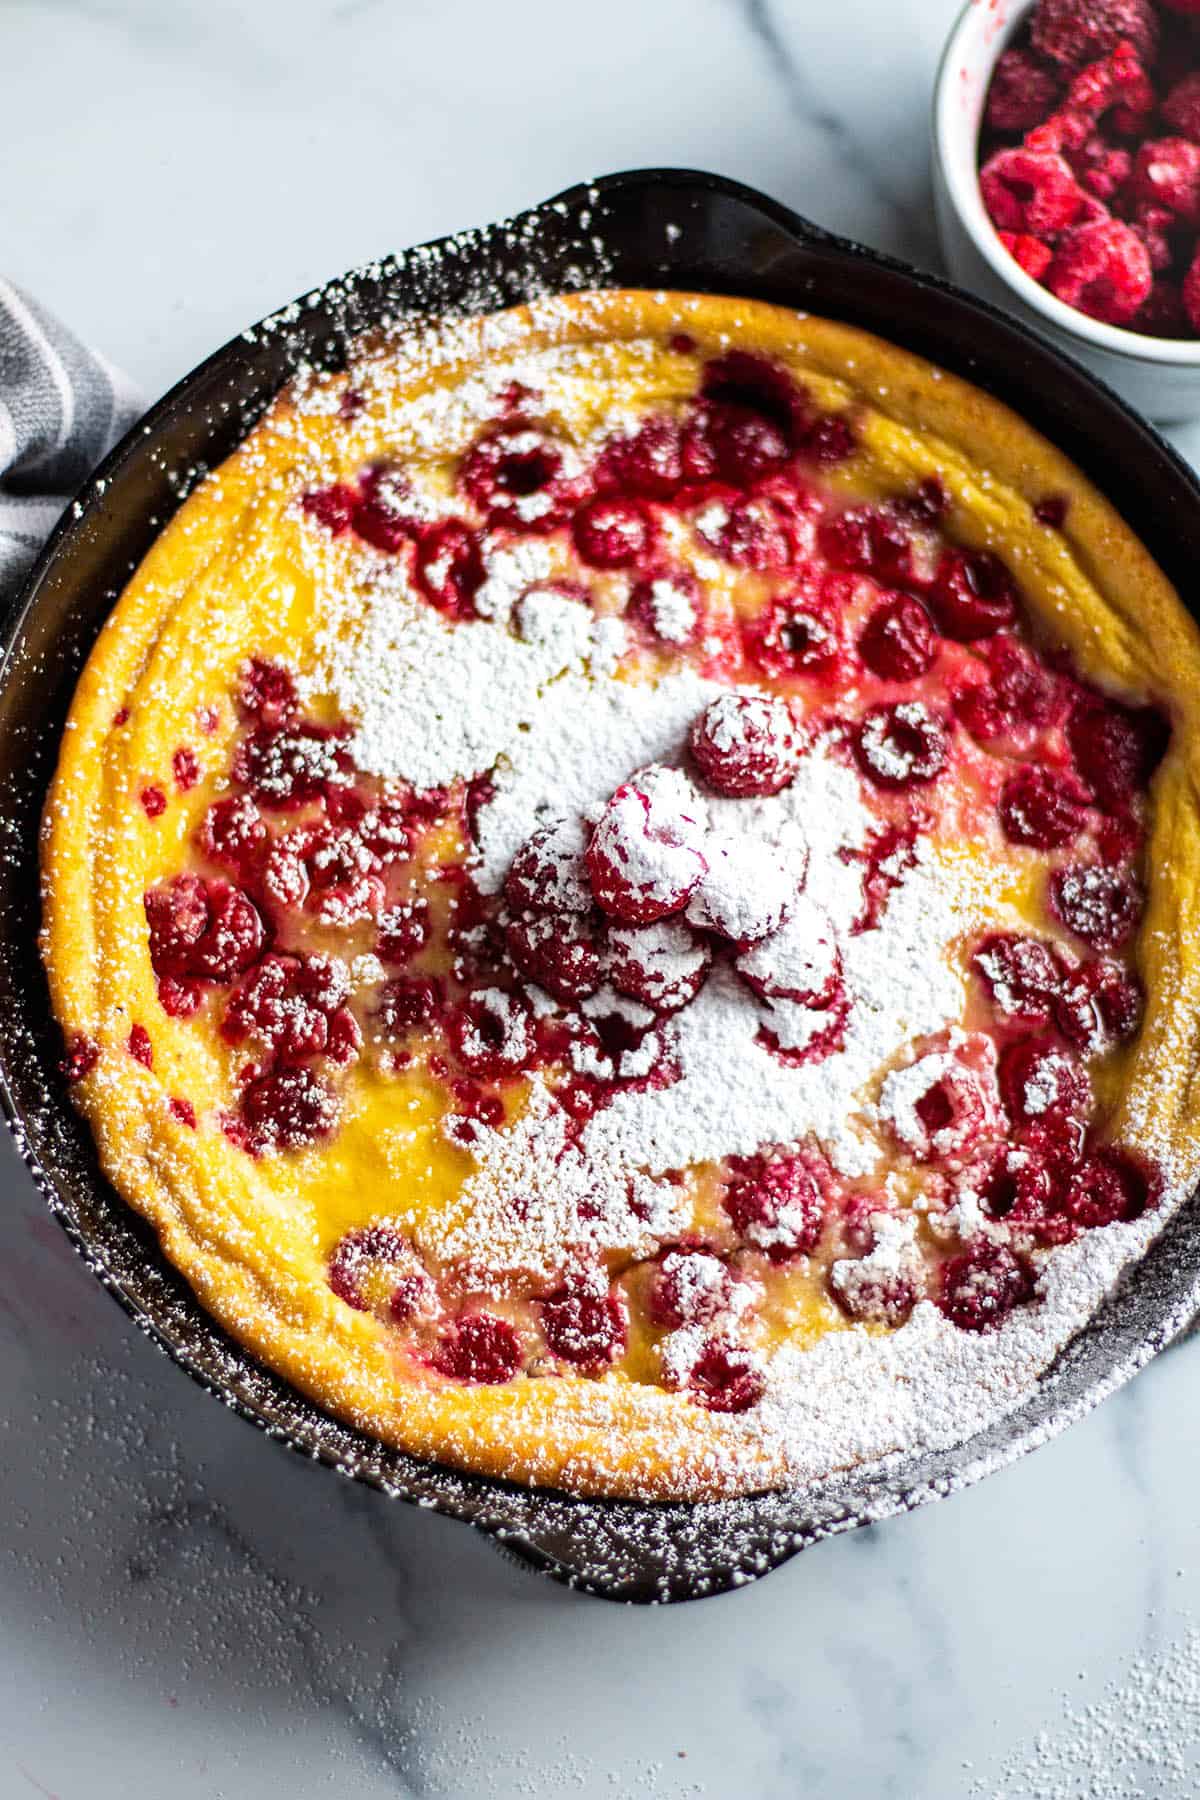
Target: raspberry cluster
x,y
1090,159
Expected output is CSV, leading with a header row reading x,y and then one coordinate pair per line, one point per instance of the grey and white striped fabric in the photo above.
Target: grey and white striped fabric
x,y
62,408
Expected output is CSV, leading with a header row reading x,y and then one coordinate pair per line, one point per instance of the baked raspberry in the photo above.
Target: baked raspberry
x,y
289,765
646,854
972,595
1020,698
1100,1004
1099,905
549,871
1024,976
185,766
183,1110
887,856
1102,269
492,1034
154,802
82,1055
756,531
1023,1186
748,887
945,1102
179,998
879,1288
558,951
1110,1185
287,1109
867,540
479,1348
1181,108
403,931
333,508
726,1378
449,567
288,1002
662,965
1032,193
1038,1079
829,440
982,1286
1023,90
743,446
777,1204
233,832
381,1256
667,606
795,637
1074,32
202,930
1051,511
1033,254
613,533
690,1287
746,744
743,380
408,1003
647,462
799,962
266,693
585,1321
898,642
514,474
901,745
140,1046
1044,808
1166,173
1116,748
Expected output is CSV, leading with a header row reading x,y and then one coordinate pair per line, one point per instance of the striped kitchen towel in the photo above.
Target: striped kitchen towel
x,y
62,408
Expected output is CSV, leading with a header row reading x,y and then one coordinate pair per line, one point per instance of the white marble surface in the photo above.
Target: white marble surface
x,y
186,1609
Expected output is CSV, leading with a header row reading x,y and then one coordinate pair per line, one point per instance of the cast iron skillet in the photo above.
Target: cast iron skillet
x,y
651,228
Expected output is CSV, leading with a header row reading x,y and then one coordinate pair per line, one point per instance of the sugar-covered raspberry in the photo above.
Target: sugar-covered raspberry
x,y
902,745
516,474
1102,269
647,462
800,962
558,951
945,1102
663,964
291,764
746,744
202,930
1099,1004
613,533
233,832
80,1058
449,566
747,887
646,854
972,594
408,1003
980,1288
585,1321
403,930
1074,32
288,1109
798,634
1166,172
266,693
1101,906
1042,807
880,1287
1110,1185
1024,976
898,642
1030,192
492,1034
777,1204
1024,89
549,871
480,1348
756,531
726,1377
667,605
1039,1079
381,1259
690,1287
289,1003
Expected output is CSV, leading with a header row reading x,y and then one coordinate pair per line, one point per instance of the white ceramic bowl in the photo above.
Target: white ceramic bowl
x,y
1161,376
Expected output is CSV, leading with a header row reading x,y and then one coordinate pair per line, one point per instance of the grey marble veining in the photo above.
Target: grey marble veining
x,y
189,1610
